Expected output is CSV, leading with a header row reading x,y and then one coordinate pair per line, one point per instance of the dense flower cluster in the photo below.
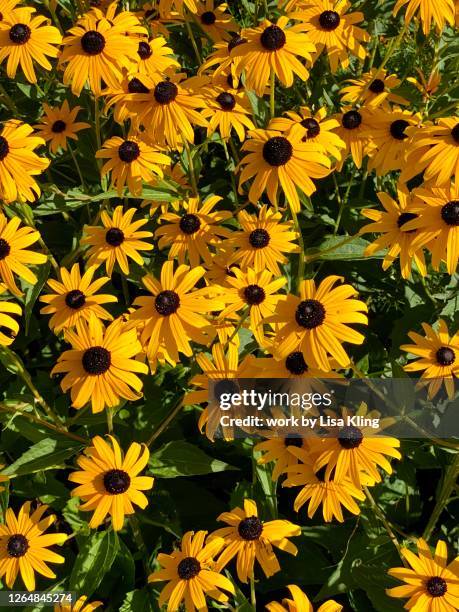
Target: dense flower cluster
x,y
219,272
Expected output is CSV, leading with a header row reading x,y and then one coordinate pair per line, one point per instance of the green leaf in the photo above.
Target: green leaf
x,y
179,458
33,291
340,248
97,553
48,454
138,600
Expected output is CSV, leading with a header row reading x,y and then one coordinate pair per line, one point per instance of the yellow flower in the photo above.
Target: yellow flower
x,y
131,161
251,539
58,124
79,606
9,327
101,368
23,38
14,241
215,21
3,478
19,163
75,298
301,603
110,483
430,582
226,110
24,547
432,12
118,239
373,89
191,575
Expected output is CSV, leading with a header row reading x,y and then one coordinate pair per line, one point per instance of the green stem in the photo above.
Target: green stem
x,y
77,166
231,172
382,517
125,288
451,476
253,595
302,257
9,103
193,41
272,94
191,170
110,420
166,422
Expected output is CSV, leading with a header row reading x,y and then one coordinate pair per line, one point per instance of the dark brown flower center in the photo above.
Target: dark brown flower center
x,y
329,20
296,364
226,100
144,50
208,18
20,33
445,356
235,42
259,238
135,85
273,38
436,586
312,127
397,129
188,568
377,86
116,481
167,302
455,133
450,213
96,360
75,299
350,437
92,42
4,148
165,92
129,151
4,248
405,218
58,126
277,151
254,295
293,440
250,528
225,386
351,120
17,545
310,314
189,223
114,237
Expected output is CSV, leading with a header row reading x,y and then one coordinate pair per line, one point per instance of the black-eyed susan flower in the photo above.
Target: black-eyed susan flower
x,y
168,110
220,60
389,139
14,255
132,162
154,57
330,27
374,89
432,12
294,366
24,546
118,240
437,358
262,241
190,575
331,493
109,483
19,163
156,20
24,37
434,150
167,7
95,51
79,606
9,326
122,21
273,48
101,368
75,297
318,129
430,582
193,231
355,453
251,539
117,96
174,313
355,130
390,225
227,110
278,450
257,293
275,159
58,124
223,366
437,223
317,322
214,20
299,602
